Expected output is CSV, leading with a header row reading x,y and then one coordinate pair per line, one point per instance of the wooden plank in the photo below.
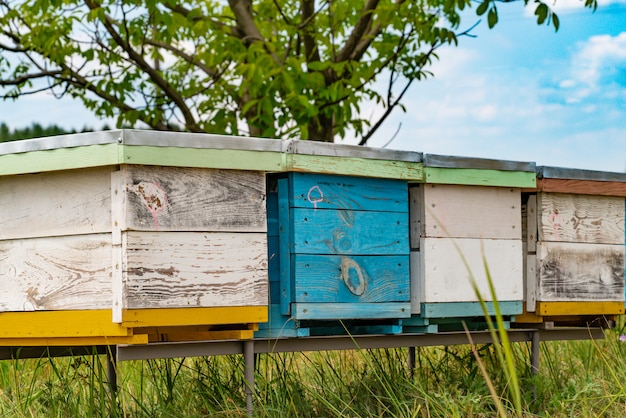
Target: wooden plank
x,y
416,215
319,191
194,269
530,282
477,177
225,315
56,273
470,309
590,187
54,204
286,237
580,272
417,291
453,211
59,159
327,311
581,218
580,308
388,169
194,199
68,323
349,232
118,223
531,231
445,278
331,279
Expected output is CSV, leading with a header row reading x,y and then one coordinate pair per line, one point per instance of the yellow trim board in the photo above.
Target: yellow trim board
x,y
72,342
56,324
172,317
579,308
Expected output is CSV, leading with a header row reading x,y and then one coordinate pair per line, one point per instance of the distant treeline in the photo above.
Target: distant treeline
x,y
36,131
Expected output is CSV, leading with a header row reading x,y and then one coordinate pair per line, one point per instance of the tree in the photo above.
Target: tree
x,y
275,68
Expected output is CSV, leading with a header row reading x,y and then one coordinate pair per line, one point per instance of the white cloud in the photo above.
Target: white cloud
x,y
596,64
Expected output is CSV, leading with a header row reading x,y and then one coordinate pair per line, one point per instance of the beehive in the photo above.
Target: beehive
x,y
465,215
130,237
574,233
338,239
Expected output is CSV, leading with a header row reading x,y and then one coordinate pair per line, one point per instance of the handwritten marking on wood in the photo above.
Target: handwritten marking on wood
x,y
577,271
56,273
580,218
194,269
153,197
194,199
315,195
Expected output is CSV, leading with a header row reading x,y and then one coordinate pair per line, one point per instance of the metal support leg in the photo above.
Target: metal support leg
x,y
534,358
112,369
411,361
248,360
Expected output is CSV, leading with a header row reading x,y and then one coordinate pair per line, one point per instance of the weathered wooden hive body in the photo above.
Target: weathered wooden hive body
x,y
574,246
466,214
130,237
338,239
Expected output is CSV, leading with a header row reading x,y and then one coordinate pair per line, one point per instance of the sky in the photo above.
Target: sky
x,y
518,92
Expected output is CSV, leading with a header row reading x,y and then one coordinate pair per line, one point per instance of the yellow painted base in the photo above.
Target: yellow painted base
x,y
579,308
141,318
95,327
72,342
60,324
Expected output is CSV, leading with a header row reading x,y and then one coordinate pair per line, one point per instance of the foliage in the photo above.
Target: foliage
x,y
36,130
272,69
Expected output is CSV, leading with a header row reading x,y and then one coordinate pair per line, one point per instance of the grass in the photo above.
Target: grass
x,y
576,379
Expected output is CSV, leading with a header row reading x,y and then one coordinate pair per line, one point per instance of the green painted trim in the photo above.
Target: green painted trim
x,y
468,309
477,177
402,170
59,159
202,158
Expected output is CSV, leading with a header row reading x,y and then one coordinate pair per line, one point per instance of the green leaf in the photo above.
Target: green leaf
x,y
482,8
542,13
492,17
555,22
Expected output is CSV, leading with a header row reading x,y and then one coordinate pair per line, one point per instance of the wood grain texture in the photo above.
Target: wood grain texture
x,y
469,212
580,308
194,199
55,204
318,191
590,187
56,273
530,232
403,170
178,270
351,279
578,272
221,315
580,218
445,278
349,232
324,311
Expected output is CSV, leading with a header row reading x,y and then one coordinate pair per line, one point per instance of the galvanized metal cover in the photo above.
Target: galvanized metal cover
x,y
448,161
545,172
139,137
295,146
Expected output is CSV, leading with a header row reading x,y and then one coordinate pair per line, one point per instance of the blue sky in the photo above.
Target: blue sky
x,y
516,92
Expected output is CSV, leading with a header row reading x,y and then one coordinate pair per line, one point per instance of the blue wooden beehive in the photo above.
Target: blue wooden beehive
x,y
338,255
